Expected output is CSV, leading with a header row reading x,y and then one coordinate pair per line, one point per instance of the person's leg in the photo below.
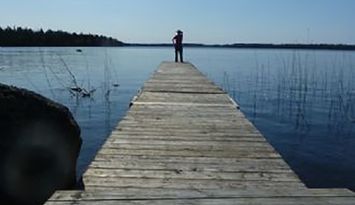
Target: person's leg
x,y
181,58
176,55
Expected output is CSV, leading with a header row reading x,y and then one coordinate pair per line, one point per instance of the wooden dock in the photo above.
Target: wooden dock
x,y
184,141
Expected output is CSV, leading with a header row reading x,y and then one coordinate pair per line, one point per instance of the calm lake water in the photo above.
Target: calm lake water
x,y
302,101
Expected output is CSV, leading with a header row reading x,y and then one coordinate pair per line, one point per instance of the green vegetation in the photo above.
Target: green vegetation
x,y
18,36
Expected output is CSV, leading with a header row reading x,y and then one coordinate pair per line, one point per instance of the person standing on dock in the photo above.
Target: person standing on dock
x,y
177,41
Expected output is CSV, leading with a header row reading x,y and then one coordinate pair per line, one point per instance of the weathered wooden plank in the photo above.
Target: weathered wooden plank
x,y
277,162
186,124
175,145
102,183
167,130
193,175
183,134
267,165
134,193
182,143
136,138
241,152
192,100
223,105
151,196
182,89
229,201
189,167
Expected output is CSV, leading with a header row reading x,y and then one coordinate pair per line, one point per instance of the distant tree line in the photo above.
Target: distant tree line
x,y
292,46
257,45
18,36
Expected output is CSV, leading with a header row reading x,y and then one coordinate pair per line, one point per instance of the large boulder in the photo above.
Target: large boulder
x,y
39,145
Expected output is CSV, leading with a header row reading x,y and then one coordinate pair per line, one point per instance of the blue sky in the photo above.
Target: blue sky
x,y
204,21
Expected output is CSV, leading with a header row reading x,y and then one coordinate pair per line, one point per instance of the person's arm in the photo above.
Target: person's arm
x,y
173,40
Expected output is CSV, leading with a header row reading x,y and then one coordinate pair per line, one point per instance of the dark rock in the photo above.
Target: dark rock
x,y
39,145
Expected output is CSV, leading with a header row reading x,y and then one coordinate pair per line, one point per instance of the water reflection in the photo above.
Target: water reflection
x,y
304,105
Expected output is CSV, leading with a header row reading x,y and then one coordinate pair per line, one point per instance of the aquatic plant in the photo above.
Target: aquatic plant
x,y
77,89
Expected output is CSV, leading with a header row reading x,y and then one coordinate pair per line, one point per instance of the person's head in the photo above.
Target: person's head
x,y
179,32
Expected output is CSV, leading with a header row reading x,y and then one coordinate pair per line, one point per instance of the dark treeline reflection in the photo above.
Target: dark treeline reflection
x,y
18,36
306,109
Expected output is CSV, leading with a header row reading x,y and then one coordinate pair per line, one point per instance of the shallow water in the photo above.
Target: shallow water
x,y
302,101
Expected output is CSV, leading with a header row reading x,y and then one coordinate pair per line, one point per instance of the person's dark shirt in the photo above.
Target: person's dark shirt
x,y
178,40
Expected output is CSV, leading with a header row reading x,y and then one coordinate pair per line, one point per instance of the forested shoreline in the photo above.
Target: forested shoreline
x,y
18,36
